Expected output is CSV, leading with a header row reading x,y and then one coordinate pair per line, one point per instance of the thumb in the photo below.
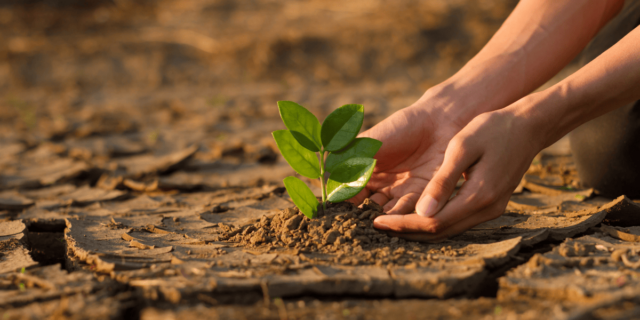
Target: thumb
x,y
457,159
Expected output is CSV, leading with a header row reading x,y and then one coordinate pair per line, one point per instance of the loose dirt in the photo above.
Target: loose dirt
x,y
343,229
138,178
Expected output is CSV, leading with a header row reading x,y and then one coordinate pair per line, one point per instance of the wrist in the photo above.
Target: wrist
x,y
471,92
543,117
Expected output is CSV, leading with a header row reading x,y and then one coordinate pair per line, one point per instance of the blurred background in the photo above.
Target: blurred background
x,y
105,80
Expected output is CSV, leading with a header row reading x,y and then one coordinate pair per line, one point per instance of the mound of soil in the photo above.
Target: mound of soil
x,y
141,131
343,229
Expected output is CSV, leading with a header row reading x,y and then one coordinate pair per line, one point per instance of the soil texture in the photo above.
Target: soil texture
x,y
138,178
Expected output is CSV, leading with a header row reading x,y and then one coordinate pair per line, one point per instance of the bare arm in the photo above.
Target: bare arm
x,y
496,148
606,83
478,122
537,40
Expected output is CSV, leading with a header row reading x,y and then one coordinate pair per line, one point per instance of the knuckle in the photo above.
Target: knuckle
x,y
439,186
498,208
438,182
461,148
487,198
494,214
404,227
459,144
488,117
434,227
401,227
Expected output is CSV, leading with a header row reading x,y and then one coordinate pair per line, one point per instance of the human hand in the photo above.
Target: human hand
x,y
421,159
414,141
493,152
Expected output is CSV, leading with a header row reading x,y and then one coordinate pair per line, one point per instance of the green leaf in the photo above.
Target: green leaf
x,y
341,126
361,148
349,178
302,196
304,126
302,160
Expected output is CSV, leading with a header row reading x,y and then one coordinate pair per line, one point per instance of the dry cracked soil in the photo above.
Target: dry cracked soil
x,y
138,178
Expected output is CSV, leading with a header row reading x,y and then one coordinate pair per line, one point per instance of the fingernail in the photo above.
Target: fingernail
x,y
427,206
378,223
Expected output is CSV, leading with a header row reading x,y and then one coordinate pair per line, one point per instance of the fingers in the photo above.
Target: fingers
x,y
379,198
405,204
412,227
404,223
359,198
390,205
460,155
478,195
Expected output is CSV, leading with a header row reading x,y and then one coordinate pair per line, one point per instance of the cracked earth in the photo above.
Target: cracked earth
x,y
138,177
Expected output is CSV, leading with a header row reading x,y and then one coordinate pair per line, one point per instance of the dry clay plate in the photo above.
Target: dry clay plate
x,y
259,248
13,250
590,268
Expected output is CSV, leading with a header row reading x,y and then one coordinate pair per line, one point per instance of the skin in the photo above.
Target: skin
x,y
464,121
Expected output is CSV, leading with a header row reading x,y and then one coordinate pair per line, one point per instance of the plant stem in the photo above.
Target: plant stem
x,y
322,186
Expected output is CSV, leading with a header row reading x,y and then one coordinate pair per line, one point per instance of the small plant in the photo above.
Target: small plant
x,y
315,151
21,285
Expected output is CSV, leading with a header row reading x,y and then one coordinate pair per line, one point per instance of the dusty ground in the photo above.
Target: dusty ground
x,y
138,178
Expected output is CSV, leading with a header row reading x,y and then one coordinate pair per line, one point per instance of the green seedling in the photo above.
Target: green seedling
x,y
21,285
217,100
329,151
26,111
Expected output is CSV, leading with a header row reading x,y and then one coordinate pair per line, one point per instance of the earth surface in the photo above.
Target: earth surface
x,y
139,179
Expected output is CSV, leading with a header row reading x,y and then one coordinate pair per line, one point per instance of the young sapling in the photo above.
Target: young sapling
x,y
329,151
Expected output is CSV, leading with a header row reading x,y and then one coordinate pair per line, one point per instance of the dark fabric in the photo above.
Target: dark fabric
x,y
607,149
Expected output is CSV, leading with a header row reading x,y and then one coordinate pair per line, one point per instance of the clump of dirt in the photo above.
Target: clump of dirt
x,y
343,230
6,246
113,224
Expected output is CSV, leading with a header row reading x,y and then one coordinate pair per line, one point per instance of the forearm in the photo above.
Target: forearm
x,y
608,82
537,40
